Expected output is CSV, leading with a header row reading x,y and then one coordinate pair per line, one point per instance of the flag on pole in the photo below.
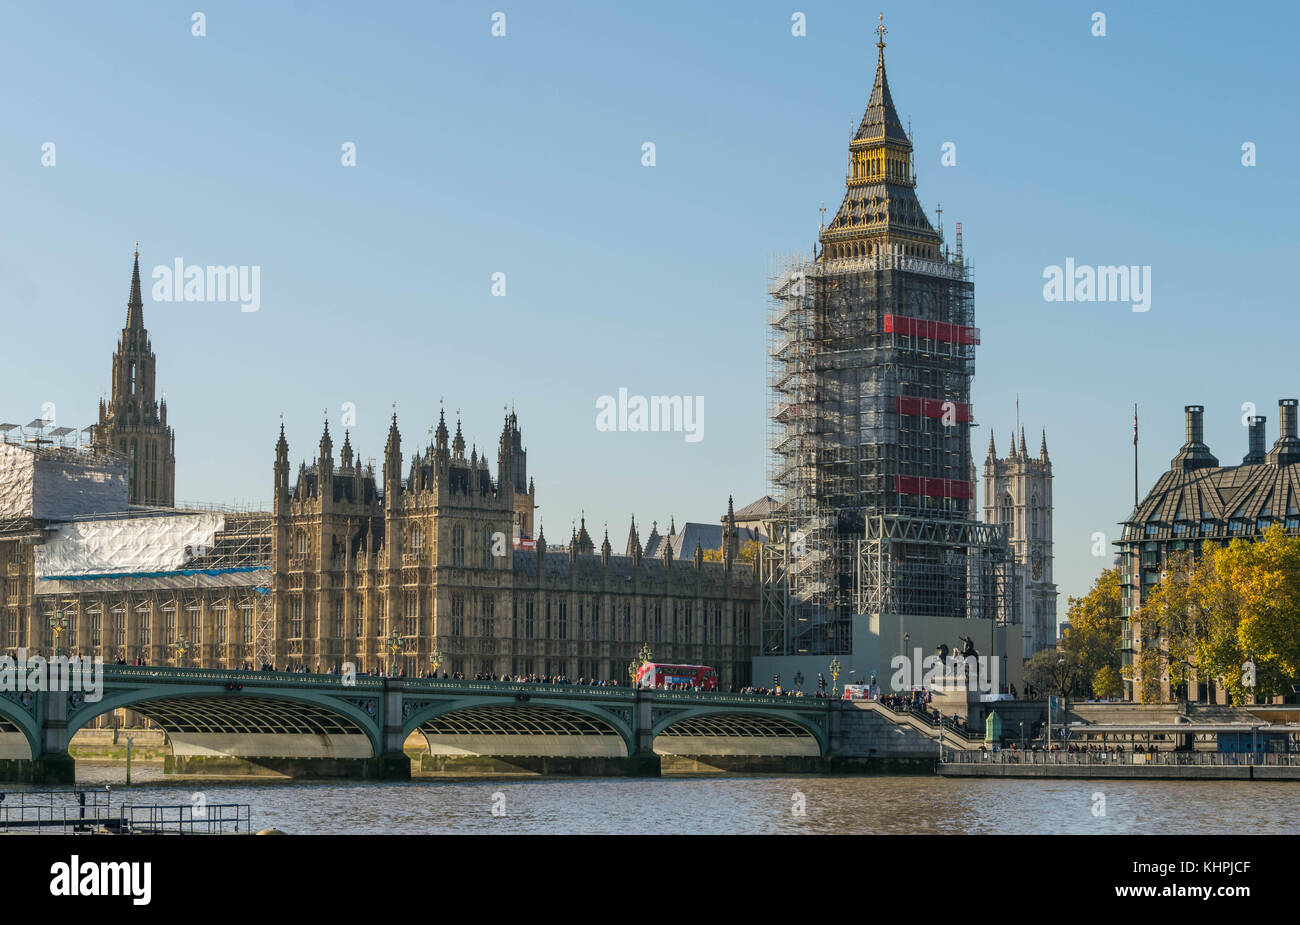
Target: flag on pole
x,y
1135,425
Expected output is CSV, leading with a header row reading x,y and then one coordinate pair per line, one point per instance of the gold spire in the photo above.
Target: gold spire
x,y
880,213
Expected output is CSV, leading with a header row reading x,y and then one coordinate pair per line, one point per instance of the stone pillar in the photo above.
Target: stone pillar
x,y
394,765
643,761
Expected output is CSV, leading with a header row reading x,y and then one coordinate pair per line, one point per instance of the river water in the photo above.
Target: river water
x,y
736,804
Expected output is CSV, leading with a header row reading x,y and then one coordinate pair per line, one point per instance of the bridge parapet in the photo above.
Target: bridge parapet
x,y
213,714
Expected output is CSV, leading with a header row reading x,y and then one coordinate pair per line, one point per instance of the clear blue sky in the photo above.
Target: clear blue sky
x,y
522,155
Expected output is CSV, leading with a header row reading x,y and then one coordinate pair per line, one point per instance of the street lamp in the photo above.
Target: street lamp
x,y
435,659
635,665
394,647
835,674
58,623
182,645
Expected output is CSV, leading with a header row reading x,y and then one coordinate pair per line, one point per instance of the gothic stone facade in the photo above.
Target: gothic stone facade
x,y
1018,496
385,574
132,423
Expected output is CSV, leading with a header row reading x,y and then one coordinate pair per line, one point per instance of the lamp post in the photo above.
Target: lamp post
x,y
182,646
394,642
835,675
58,623
634,666
435,659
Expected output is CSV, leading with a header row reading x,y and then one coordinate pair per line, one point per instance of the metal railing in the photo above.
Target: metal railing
x,y
66,812
1152,758
93,811
186,819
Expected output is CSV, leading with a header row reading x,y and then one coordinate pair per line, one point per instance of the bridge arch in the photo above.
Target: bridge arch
x,y
19,734
269,722
732,730
531,726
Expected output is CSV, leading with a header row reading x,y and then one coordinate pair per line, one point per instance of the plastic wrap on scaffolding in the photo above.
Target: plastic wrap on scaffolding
x,y
126,546
58,483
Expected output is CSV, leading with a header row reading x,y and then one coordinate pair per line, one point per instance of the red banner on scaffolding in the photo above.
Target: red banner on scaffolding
x,y
934,330
931,407
933,488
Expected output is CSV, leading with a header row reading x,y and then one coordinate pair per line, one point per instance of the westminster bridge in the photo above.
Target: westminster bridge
x,y
358,726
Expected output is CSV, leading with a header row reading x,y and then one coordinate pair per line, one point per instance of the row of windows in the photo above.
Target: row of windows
x,y
490,549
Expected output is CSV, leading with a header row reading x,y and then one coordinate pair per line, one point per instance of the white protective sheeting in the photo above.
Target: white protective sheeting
x,y
127,545
59,484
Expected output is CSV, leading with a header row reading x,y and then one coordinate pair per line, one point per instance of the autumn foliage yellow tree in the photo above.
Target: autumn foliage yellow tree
x,y
1087,661
1233,615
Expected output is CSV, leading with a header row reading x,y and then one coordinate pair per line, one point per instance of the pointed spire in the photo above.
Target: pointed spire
x,y
1012,451
993,452
458,444
633,541
880,214
135,305
1042,449
440,435
1024,453
881,118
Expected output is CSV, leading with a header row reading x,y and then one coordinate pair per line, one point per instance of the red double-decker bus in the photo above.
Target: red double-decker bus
x,y
654,674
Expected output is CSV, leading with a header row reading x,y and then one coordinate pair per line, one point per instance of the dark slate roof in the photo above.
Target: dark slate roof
x,y
708,536
881,118
1220,495
757,510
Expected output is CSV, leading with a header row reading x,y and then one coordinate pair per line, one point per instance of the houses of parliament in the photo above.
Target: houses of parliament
x,y
430,565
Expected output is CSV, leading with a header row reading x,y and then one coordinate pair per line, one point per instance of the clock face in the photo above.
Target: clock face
x,y
1037,564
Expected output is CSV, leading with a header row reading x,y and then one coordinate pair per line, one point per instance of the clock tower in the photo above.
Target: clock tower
x,y
1018,496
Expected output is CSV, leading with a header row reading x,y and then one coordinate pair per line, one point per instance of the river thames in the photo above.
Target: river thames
x,y
736,805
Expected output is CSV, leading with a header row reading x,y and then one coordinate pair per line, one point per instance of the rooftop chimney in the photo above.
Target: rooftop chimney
x,y
1194,453
1255,455
1287,449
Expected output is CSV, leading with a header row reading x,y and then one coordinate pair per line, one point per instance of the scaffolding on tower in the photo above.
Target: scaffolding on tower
x,y
870,363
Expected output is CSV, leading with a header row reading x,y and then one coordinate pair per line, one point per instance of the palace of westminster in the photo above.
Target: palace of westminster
x,y
432,563
429,565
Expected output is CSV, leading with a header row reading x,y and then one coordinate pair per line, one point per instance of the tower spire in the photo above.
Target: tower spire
x,y
135,305
880,213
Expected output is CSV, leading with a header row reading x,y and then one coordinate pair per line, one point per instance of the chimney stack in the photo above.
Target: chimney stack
x,y
1287,449
1194,453
1255,450
1195,423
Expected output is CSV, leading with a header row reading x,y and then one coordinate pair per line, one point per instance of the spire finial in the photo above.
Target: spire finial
x,y
880,31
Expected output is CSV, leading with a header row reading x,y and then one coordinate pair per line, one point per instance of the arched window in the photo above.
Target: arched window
x,y
417,539
1006,516
300,543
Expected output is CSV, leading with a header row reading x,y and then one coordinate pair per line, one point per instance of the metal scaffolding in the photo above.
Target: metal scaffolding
x,y
870,364
937,568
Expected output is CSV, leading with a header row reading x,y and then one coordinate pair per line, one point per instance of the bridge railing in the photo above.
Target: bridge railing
x,y
518,687
1161,758
765,699
966,734
226,675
